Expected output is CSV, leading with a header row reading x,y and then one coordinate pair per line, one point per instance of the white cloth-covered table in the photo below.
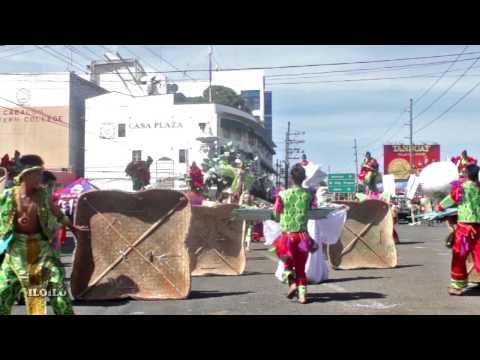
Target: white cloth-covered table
x,y
324,231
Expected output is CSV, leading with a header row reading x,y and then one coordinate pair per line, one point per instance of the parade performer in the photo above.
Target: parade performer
x,y
462,161
60,232
27,219
139,171
195,179
293,245
304,161
368,172
466,195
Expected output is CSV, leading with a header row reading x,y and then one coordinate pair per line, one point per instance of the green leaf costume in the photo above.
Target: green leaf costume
x,y
30,264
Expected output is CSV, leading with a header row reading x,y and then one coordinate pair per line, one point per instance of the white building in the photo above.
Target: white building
x,y
122,128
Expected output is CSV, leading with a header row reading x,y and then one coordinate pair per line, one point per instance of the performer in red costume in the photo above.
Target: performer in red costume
x,y
463,161
368,172
196,185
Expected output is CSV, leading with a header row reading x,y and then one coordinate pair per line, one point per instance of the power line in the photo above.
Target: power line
x,y
309,65
392,67
21,52
138,57
91,51
449,108
167,62
448,89
76,51
441,76
11,49
429,75
58,57
386,132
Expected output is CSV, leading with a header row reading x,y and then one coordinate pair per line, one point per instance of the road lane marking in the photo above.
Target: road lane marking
x,y
373,305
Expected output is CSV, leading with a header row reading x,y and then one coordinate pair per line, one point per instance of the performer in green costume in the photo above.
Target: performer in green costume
x,y
27,219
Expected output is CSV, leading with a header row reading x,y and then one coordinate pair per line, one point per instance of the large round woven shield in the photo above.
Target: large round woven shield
x,y
367,239
215,243
135,246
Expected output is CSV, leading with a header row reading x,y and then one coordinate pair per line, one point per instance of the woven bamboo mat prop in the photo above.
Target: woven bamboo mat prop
x,y
367,238
3,178
135,246
215,243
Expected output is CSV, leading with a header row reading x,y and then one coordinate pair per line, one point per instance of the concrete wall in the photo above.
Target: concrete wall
x,y
34,116
80,90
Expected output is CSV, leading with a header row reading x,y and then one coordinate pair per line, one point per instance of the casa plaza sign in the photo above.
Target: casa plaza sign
x,y
156,125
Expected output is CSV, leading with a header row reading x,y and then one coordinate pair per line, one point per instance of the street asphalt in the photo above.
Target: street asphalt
x,y
418,285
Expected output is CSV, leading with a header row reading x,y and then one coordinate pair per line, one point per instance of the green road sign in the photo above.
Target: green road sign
x,y
341,183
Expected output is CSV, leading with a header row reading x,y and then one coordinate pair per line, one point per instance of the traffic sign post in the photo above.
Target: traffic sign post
x,y
341,183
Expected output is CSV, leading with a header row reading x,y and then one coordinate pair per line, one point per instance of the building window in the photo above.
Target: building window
x,y
226,133
182,156
238,134
121,130
252,98
136,155
251,139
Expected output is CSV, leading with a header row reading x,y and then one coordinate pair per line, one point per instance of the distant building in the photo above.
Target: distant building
x,y
268,114
122,128
44,114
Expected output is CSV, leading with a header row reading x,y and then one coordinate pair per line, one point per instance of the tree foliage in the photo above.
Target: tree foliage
x,y
220,95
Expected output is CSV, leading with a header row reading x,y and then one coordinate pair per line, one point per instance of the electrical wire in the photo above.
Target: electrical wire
x,y
371,69
441,76
449,108
446,90
167,62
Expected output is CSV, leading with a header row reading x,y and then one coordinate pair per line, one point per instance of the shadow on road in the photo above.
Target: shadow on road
x,y
250,273
108,303
353,278
410,242
404,266
214,294
257,258
344,296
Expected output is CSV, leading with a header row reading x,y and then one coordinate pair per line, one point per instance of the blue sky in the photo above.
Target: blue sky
x,y
332,114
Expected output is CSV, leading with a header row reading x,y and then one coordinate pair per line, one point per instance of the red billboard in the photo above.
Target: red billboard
x,y
397,159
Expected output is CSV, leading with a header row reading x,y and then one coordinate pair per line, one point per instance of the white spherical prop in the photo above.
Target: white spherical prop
x,y
438,176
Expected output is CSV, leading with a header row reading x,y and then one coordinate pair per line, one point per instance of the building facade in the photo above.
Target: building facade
x,y
121,128
44,114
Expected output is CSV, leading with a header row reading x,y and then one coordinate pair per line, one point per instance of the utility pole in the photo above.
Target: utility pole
x,y
411,136
210,74
356,157
291,153
287,153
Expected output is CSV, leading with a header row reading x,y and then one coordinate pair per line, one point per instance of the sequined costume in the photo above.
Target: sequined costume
x,y
462,162
466,195
30,266
368,173
294,243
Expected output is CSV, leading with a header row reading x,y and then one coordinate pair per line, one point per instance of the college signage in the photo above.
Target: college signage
x,y
29,115
341,183
397,159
